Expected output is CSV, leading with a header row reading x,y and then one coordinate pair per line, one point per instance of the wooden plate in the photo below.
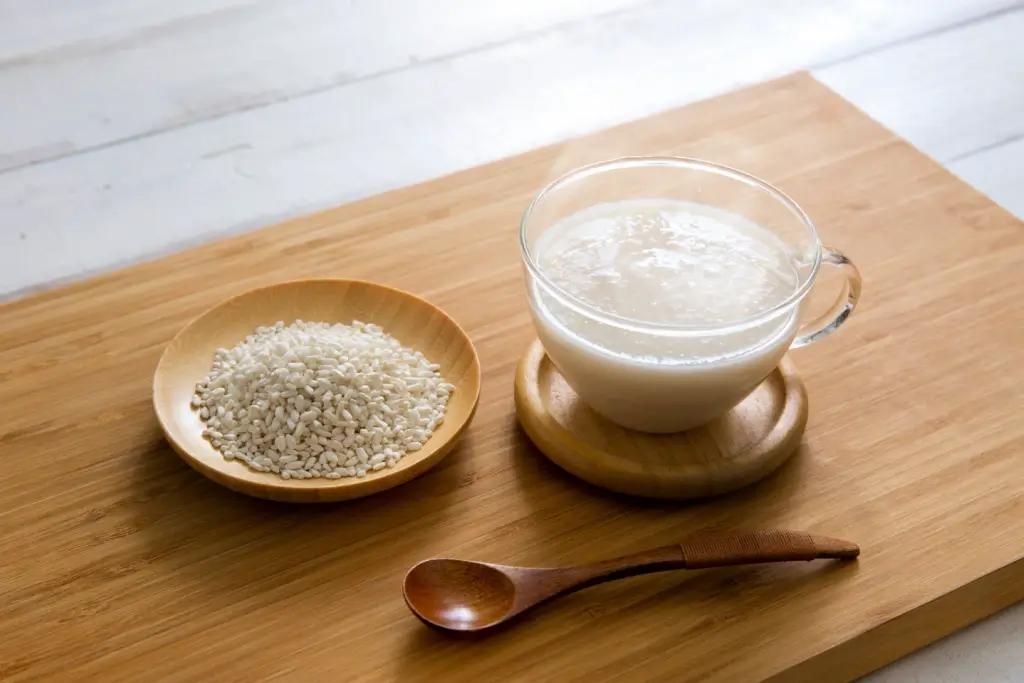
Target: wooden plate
x,y
737,449
413,321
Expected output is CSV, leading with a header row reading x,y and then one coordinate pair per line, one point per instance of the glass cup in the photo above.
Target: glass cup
x,y
653,377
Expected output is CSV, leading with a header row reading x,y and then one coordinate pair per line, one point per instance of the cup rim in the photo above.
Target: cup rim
x,y
594,312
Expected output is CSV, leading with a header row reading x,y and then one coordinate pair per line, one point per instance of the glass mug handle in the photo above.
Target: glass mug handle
x,y
837,314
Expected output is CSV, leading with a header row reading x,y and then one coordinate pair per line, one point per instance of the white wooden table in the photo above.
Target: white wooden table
x,y
130,128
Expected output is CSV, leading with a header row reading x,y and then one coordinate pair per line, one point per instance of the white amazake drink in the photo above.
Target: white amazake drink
x,y
668,263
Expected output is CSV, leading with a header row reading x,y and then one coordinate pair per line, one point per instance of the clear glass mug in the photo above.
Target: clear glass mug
x,y
661,378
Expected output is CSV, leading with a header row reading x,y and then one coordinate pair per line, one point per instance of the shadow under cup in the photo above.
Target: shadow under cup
x,y
663,378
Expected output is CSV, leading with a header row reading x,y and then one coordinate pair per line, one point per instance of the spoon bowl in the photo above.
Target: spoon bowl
x,y
459,595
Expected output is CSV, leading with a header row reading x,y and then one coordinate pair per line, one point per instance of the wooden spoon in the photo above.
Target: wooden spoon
x,y
461,595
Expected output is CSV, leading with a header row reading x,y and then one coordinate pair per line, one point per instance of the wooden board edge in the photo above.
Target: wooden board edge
x,y
913,630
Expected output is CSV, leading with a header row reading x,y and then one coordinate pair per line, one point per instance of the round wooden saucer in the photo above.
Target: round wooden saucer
x,y
411,320
737,449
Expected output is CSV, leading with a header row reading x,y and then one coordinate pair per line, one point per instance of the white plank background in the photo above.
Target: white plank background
x,y
173,165
129,128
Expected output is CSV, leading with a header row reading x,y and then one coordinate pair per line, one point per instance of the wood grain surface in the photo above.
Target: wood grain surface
x,y
737,449
119,563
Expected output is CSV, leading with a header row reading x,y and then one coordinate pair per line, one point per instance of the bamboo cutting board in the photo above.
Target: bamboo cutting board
x,y
119,563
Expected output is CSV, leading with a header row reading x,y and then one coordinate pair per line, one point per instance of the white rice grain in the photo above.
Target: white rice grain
x,y
318,400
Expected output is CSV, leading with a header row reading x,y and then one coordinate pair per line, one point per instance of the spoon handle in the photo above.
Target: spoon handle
x,y
700,551
723,550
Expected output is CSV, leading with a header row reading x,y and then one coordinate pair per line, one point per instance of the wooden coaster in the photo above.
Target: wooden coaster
x,y
737,449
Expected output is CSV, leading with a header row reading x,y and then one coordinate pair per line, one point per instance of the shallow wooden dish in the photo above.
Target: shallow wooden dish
x,y
413,321
742,446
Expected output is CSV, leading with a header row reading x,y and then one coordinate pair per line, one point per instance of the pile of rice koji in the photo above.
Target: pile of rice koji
x,y
320,400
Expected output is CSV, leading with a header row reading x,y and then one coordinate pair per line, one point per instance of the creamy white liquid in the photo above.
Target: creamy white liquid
x,y
671,263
